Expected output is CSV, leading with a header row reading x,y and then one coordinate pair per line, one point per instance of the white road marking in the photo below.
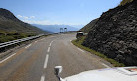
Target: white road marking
x,y
51,43
52,36
106,65
36,41
42,39
28,46
46,61
48,49
71,43
7,58
80,50
42,78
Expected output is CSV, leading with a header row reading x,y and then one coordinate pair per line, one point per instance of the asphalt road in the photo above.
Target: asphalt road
x,y
36,61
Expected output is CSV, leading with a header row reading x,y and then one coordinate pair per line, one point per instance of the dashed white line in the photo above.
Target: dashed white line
x,y
48,49
46,61
28,46
7,58
106,65
80,50
42,78
51,43
36,41
51,36
43,39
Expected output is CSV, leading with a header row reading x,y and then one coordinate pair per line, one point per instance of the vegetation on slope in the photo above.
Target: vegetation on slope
x,y
11,28
123,2
9,36
78,43
8,22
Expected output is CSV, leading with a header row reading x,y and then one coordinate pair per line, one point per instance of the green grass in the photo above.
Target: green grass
x,y
123,2
78,43
9,36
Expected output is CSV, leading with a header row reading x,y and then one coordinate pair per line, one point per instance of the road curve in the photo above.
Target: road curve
x,y
36,61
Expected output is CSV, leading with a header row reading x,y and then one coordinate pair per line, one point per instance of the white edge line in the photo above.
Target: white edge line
x,y
28,46
71,42
106,65
42,78
80,50
48,49
46,61
7,58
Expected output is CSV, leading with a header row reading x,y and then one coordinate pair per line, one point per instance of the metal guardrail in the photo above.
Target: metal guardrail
x,y
18,41
22,40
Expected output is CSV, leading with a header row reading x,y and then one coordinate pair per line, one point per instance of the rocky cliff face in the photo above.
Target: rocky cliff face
x,y
115,34
89,26
8,22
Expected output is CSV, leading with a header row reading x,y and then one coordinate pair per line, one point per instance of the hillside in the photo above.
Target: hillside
x,y
88,27
55,28
123,2
8,22
115,34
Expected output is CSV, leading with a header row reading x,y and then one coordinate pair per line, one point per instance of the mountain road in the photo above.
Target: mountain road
x,y
36,61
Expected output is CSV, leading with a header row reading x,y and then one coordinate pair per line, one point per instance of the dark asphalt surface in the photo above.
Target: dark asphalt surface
x,y
36,61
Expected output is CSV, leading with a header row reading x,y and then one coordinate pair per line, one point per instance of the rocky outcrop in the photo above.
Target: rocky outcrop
x,y
115,34
89,26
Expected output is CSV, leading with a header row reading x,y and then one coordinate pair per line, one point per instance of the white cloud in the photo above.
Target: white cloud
x,y
19,16
25,17
32,17
46,22
32,20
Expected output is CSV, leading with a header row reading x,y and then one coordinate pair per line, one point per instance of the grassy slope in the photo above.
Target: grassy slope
x,y
9,36
78,43
8,22
123,2
11,28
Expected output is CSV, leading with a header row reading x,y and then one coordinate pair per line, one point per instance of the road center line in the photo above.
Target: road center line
x,y
7,58
42,78
50,43
46,61
105,65
36,41
80,50
28,46
48,49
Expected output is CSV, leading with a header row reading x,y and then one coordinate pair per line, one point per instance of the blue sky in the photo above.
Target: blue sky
x,y
49,12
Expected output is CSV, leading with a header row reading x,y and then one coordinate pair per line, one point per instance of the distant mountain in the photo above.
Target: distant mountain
x,y
55,28
8,22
